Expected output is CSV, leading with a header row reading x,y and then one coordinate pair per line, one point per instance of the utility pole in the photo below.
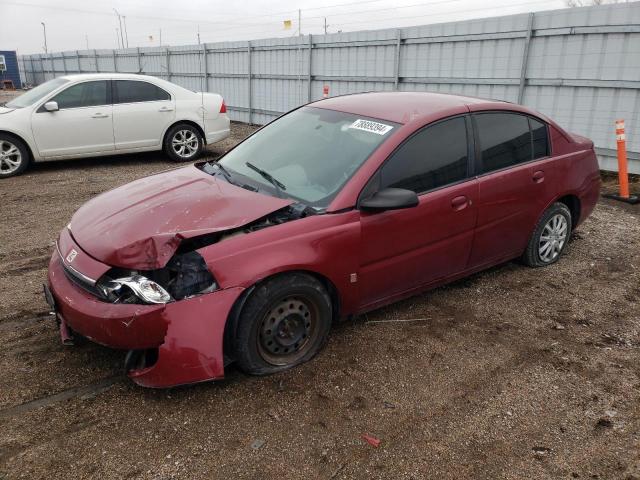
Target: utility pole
x,y
86,37
120,23
325,25
117,37
198,34
160,37
44,28
299,22
126,34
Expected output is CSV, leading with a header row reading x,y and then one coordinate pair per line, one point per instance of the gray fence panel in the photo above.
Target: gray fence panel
x,y
580,66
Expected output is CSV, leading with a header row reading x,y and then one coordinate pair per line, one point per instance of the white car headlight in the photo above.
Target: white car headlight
x,y
146,290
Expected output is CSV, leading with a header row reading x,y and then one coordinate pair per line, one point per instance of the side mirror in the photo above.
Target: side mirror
x,y
390,199
51,106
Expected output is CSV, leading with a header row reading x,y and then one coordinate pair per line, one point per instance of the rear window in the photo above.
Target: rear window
x,y
133,91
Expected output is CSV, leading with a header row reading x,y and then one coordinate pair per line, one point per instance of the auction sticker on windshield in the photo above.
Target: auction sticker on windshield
x,y
369,126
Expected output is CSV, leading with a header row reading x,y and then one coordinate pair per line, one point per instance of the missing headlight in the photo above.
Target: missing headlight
x,y
185,275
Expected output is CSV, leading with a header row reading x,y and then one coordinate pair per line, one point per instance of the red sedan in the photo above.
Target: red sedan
x,y
336,208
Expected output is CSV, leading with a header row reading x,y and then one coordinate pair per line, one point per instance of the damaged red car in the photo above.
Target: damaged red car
x,y
336,208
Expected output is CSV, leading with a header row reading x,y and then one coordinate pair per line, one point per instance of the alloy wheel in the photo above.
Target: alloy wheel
x,y
10,157
185,143
553,237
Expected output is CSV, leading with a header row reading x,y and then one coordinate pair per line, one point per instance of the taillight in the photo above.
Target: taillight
x,y
223,107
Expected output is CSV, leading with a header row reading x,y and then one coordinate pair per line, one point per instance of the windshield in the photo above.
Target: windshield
x,y
37,93
308,154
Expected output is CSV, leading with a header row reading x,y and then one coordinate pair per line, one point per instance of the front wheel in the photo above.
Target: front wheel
x,y
550,237
284,322
183,143
14,156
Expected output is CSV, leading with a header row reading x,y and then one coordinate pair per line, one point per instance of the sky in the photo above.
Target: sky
x,y
81,24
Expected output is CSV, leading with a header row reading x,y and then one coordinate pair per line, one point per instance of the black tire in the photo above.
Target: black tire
x,y
532,255
291,313
176,133
7,169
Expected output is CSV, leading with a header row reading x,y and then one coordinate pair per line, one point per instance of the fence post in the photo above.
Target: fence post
x,y
309,77
525,58
95,58
64,63
396,66
139,59
33,70
249,76
168,65
78,58
115,63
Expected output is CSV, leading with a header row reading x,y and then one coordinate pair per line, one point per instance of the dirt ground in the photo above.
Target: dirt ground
x,y
513,373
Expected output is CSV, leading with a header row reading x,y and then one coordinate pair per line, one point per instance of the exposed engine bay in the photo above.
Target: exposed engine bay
x,y
186,274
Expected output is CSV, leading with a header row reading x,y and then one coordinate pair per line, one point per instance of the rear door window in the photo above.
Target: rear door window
x,y
540,138
87,94
433,157
134,91
505,140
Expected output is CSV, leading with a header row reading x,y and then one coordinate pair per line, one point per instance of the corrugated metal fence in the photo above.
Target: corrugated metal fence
x,y
580,66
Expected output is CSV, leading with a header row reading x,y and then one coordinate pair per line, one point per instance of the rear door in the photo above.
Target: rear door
x,y
511,181
142,112
82,125
405,249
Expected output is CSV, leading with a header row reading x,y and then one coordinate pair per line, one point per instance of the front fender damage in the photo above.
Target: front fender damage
x,y
192,350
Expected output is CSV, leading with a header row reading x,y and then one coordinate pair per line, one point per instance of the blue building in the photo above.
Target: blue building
x,y
9,68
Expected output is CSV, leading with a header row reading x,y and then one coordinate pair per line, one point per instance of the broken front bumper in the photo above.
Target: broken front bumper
x,y
187,334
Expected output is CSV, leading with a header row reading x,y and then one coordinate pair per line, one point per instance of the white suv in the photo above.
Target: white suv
x,y
107,114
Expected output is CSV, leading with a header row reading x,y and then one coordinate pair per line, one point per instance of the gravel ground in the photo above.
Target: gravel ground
x,y
512,373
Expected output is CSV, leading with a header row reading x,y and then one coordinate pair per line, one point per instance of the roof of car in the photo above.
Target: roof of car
x,y
98,76
399,107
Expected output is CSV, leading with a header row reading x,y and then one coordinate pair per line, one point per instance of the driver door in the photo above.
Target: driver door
x,y
83,123
409,248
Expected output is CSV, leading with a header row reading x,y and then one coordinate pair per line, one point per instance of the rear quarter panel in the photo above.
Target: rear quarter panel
x,y
572,170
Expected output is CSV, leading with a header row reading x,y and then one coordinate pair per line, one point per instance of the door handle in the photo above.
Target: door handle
x,y
458,203
538,177
99,115
166,109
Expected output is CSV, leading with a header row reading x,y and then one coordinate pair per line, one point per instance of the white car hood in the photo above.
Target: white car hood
x,y
6,110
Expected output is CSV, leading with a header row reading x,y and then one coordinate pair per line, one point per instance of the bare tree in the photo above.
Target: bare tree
x,y
587,3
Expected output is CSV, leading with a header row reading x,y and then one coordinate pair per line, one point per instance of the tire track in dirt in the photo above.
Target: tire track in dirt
x,y
94,388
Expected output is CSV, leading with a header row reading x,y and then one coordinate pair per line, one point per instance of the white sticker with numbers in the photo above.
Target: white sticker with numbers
x,y
369,126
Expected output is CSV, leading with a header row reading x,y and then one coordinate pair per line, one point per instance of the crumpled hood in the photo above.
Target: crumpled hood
x,y
140,225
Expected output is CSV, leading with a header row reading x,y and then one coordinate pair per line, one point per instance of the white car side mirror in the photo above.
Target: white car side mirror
x,y
51,106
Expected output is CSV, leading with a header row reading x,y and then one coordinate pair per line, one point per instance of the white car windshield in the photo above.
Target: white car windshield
x,y
37,93
308,154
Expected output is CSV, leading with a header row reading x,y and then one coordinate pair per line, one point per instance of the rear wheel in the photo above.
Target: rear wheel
x,y
550,238
183,143
283,323
14,156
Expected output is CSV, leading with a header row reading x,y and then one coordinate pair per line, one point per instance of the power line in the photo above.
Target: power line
x,y
178,19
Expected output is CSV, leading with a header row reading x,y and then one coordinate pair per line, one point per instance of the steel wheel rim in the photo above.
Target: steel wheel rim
x,y
185,143
553,237
288,330
10,157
